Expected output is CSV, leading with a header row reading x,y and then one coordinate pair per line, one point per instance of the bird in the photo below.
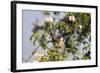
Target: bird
x,y
58,42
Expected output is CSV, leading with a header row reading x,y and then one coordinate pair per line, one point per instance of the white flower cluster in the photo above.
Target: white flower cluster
x,y
38,54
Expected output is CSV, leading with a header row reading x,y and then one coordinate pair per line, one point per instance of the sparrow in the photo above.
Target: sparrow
x,y
58,42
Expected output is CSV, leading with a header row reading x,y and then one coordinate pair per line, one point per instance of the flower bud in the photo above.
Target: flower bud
x,y
80,26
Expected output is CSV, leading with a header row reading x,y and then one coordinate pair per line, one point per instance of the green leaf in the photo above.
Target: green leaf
x,y
36,36
85,57
76,58
86,47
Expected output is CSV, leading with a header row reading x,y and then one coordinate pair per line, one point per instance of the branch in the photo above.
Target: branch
x,y
28,58
30,55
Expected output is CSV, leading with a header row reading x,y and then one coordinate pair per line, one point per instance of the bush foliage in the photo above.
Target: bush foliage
x,y
59,39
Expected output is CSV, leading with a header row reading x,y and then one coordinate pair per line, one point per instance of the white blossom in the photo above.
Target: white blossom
x,y
72,18
49,19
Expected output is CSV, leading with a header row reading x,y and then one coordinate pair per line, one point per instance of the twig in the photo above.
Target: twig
x,y
30,55
24,59
37,47
28,58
